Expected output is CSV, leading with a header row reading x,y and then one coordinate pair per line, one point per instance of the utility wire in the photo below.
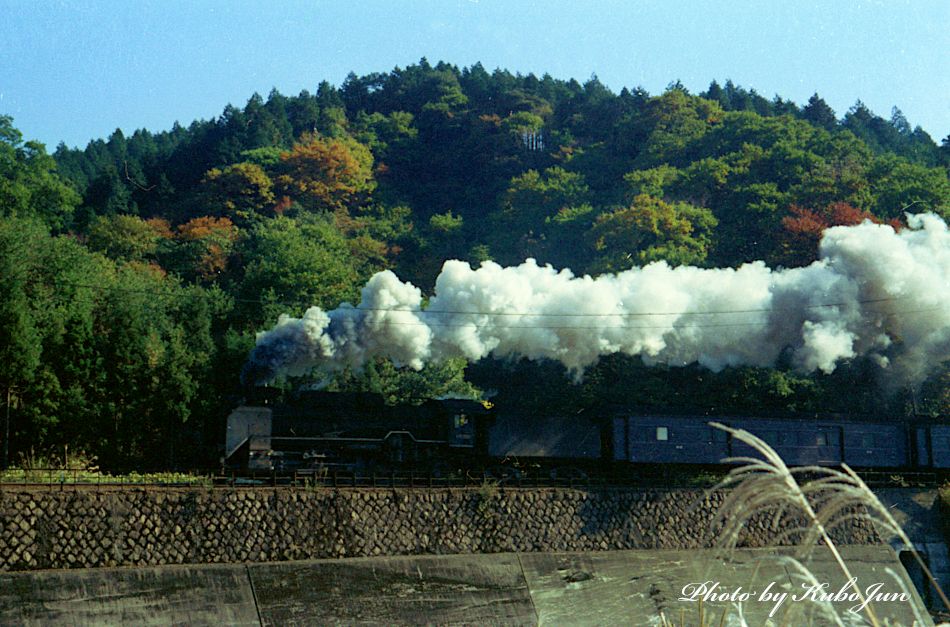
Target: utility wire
x,y
691,325
504,313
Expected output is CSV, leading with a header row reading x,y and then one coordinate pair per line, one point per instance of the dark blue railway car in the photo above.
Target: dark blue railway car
x,y
690,440
798,442
876,444
932,443
668,439
940,446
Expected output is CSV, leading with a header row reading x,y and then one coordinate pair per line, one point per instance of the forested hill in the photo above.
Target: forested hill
x,y
508,166
140,267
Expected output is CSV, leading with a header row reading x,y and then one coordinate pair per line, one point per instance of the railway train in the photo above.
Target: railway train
x,y
360,433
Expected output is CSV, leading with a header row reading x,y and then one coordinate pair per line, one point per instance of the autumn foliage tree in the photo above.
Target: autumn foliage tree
x,y
325,173
203,246
803,227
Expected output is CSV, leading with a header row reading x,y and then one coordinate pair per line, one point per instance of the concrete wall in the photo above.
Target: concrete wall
x,y
81,527
918,512
598,588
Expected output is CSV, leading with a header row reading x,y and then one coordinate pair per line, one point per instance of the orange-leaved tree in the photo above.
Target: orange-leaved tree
x,y
325,173
204,245
803,227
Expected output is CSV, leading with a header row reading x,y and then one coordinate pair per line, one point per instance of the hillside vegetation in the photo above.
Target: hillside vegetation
x,y
137,271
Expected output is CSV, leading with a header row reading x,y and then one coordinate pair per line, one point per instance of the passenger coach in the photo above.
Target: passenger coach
x,y
861,443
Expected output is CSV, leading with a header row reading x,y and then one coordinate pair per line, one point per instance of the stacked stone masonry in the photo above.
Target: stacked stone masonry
x,y
78,528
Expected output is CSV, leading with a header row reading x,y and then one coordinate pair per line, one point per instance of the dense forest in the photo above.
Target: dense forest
x,y
136,272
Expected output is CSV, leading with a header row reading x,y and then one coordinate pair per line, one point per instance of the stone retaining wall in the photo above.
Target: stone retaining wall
x,y
76,528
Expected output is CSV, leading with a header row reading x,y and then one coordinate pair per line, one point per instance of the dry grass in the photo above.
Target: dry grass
x,y
825,498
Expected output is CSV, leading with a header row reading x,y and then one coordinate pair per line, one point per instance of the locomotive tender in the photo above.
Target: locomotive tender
x,y
359,432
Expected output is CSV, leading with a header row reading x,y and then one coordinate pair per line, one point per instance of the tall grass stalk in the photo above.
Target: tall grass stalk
x,y
831,498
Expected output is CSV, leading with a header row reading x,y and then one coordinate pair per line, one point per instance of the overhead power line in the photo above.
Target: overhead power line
x,y
691,325
624,314
537,314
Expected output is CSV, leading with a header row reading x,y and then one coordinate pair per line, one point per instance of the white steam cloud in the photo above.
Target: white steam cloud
x,y
873,292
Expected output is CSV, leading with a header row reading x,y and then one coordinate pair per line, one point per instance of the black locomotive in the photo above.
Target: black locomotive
x,y
359,432
351,431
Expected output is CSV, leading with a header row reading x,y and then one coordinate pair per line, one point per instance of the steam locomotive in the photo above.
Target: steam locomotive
x,y
349,431
359,432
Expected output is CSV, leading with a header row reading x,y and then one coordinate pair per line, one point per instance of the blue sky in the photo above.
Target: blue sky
x,y
73,71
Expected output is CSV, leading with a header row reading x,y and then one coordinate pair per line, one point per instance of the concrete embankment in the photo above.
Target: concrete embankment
x,y
603,588
919,514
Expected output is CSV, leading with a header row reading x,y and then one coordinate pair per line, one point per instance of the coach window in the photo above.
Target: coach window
x,y
662,434
867,441
822,439
718,435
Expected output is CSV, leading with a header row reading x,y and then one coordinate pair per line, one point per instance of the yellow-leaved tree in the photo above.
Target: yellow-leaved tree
x,y
326,173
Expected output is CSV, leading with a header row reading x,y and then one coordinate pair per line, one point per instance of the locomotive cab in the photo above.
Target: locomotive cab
x,y
247,441
461,418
